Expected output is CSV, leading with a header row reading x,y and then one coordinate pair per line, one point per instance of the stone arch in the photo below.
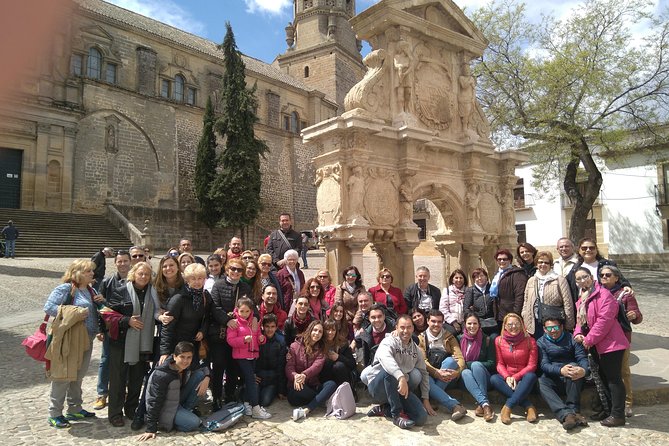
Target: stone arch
x,y
447,200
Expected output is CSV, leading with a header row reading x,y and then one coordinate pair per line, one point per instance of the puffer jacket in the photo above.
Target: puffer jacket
x,y
604,333
516,360
299,362
556,293
235,338
478,303
224,296
187,321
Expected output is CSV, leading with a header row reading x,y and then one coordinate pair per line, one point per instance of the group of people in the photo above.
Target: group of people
x,y
250,327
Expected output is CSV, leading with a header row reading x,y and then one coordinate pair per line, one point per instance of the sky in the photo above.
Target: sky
x,y
259,24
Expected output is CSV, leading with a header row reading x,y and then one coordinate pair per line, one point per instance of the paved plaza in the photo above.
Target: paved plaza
x,y
25,284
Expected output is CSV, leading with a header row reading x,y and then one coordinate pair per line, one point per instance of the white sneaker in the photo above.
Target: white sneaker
x,y
248,411
260,413
299,413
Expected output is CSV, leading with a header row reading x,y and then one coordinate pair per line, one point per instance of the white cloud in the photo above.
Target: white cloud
x,y
165,11
277,7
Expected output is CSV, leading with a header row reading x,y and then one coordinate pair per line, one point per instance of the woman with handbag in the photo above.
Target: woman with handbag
x,y
224,296
478,301
478,350
546,295
73,306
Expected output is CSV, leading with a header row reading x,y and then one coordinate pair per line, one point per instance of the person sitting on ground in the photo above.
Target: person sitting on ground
x,y
419,321
338,314
361,318
172,393
298,322
245,341
271,364
269,305
339,363
398,368
444,363
452,301
517,357
564,364
304,363
385,293
368,339
478,350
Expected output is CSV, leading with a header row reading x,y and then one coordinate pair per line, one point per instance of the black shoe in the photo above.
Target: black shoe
x,y
598,416
612,422
216,405
196,412
382,410
136,424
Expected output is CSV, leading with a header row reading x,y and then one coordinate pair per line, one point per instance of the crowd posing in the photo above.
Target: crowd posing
x,y
249,327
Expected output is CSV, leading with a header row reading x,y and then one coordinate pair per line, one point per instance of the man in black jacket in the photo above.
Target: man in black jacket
x,y
271,365
422,294
283,239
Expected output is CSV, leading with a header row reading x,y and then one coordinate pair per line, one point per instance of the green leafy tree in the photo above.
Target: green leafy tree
x,y
205,170
236,189
566,89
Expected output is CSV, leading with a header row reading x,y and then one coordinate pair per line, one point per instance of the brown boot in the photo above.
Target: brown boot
x,y
531,414
505,414
479,411
488,414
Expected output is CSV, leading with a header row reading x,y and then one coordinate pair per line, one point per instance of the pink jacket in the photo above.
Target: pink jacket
x,y
605,333
299,362
235,338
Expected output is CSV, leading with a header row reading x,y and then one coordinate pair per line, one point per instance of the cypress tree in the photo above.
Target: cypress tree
x,y
205,169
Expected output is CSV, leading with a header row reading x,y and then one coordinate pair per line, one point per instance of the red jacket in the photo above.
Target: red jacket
x,y
299,362
399,303
281,315
518,360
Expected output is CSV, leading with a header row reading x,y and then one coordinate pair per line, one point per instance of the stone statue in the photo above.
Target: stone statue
x,y
328,202
356,195
406,202
110,139
404,65
472,200
466,100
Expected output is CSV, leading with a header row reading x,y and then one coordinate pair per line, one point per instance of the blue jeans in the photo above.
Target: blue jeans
x,y
438,387
185,420
10,246
310,396
383,389
551,388
103,369
518,396
267,394
247,368
476,380
304,257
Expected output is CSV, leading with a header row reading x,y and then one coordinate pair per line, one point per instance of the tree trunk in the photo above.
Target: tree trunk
x,y
582,201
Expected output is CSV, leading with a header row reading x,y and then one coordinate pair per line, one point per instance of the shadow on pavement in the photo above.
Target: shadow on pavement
x,y
17,271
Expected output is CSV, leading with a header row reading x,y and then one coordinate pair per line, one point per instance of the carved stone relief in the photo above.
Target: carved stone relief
x,y
381,201
356,196
370,93
328,195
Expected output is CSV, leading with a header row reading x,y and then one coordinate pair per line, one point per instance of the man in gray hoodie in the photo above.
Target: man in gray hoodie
x,y
399,367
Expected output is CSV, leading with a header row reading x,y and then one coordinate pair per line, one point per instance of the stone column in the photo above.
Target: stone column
x,y
406,274
68,168
447,250
337,257
469,258
43,135
355,247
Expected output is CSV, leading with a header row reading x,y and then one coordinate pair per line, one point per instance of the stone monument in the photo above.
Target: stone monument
x,y
412,129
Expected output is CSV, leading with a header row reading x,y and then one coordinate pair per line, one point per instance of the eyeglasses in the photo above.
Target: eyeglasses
x,y
247,258
137,256
605,275
543,262
512,324
314,287
351,275
552,328
502,259
582,278
265,264
322,277
588,248
386,276
234,269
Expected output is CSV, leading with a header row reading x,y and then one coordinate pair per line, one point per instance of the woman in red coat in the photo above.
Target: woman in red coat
x,y
388,295
517,357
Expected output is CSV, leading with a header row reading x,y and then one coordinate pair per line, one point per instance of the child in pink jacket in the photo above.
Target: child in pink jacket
x,y
245,340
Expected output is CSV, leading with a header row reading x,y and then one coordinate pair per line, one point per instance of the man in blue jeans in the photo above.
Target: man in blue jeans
x,y
10,233
399,366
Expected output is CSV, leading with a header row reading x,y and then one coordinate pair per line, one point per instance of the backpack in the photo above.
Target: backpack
x,y
342,403
225,418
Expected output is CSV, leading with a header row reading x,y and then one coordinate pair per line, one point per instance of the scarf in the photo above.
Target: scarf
x,y
197,296
582,314
495,282
350,288
434,342
140,341
457,292
471,345
301,324
554,341
513,339
542,280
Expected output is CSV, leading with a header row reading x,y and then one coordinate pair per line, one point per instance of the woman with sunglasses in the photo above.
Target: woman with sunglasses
x,y
593,261
347,292
507,288
386,294
313,290
224,295
609,276
325,280
546,294
598,330
517,358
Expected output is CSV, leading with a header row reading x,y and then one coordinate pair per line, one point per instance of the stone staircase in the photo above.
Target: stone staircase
x,y
50,234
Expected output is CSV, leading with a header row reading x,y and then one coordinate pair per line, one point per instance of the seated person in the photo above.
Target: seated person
x,y
361,318
478,349
172,393
339,363
271,363
270,295
564,364
367,340
298,321
444,362
399,367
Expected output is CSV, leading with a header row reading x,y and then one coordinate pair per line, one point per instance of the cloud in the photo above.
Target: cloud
x,y
276,7
165,11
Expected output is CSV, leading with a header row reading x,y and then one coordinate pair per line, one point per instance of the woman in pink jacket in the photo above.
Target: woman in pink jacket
x,y
304,362
597,328
517,357
245,341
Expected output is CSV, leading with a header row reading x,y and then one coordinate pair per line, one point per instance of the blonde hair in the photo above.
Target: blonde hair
x,y
137,266
194,269
265,257
520,319
73,273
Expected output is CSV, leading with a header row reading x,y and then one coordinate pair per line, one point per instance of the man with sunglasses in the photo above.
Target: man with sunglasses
x,y
136,255
564,364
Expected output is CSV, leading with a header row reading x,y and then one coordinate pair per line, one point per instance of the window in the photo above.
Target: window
x,y
286,123
519,194
165,88
94,65
294,122
522,233
76,64
306,71
110,74
422,225
179,88
190,98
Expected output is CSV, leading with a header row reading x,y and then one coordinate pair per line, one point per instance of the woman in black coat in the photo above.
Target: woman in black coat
x,y
478,301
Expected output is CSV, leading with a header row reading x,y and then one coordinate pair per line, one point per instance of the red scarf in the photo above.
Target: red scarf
x,y
476,341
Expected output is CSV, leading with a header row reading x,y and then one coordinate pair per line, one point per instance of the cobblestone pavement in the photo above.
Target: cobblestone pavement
x,y
25,283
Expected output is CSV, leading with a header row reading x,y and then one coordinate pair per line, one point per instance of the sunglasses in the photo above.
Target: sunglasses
x,y
247,258
265,264
322,277
588,248
552,328
234,269
386,276
512,324
137,256
606,275
503,259
314,287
